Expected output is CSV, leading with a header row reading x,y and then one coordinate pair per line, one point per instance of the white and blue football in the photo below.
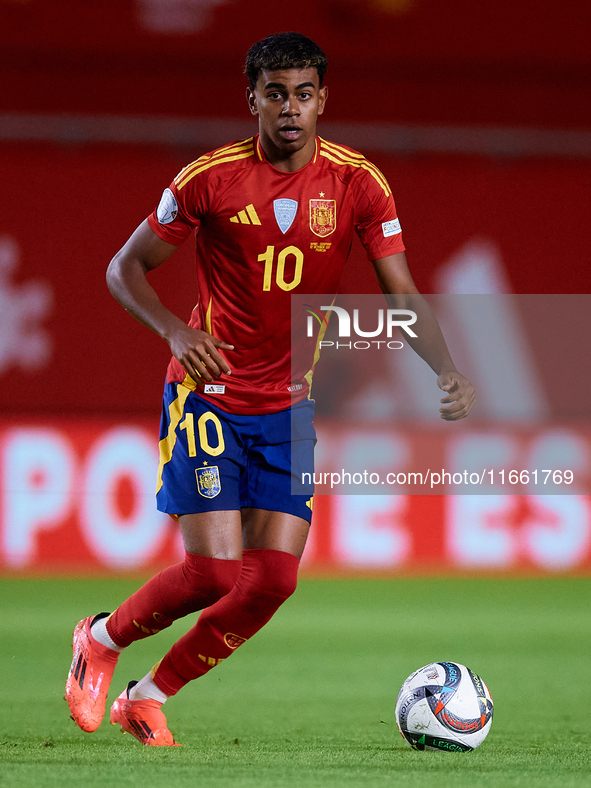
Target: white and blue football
x,y
444,706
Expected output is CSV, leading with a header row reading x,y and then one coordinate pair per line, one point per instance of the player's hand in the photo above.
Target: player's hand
x,y
460,397
199,354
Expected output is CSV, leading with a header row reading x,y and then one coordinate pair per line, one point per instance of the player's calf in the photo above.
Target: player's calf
x,y
175,592
268,578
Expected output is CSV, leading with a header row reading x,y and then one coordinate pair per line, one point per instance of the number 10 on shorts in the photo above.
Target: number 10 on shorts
x,y
188,424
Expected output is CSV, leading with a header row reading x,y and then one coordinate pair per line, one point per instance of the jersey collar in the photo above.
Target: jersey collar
x,y
261,155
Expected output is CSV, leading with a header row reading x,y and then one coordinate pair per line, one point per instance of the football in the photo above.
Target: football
x,y
444,706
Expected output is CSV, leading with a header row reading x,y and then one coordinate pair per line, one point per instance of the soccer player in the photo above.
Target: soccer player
x,y
273,214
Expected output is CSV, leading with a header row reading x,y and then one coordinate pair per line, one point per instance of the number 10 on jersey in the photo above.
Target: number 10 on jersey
x,y
268,258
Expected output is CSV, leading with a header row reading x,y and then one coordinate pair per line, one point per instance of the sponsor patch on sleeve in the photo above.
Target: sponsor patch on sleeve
x,y
168,208
391,228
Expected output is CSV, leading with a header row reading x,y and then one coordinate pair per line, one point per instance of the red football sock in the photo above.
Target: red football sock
x,y
267,579
175,592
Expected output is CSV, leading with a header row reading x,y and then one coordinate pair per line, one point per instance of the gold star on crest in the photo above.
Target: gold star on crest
x,y
321,194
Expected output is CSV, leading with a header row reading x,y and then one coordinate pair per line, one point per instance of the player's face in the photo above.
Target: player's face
x,y
288,103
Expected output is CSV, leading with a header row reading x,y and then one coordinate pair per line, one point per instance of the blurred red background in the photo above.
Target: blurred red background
x,y
478,114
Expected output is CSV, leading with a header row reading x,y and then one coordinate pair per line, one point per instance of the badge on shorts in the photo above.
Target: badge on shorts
x,y
323,217
208,481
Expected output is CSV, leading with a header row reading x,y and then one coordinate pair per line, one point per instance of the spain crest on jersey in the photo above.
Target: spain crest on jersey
x,y
208,481
323,217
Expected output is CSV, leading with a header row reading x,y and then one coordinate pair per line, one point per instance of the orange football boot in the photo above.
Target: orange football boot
x,y
89,677
144,719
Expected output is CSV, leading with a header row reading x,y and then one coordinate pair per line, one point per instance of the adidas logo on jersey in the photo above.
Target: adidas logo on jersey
x,y
247,216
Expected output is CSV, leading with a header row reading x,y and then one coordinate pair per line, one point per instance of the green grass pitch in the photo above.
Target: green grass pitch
x,y
310,700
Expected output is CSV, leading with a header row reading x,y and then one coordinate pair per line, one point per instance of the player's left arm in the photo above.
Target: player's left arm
x,y
396,282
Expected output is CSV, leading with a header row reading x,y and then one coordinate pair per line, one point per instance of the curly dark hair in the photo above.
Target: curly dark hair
x,y
284,50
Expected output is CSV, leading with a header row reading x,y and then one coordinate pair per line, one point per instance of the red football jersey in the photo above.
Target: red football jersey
x,y
263,234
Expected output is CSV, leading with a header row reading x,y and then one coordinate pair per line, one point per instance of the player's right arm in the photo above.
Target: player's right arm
x,y
196,350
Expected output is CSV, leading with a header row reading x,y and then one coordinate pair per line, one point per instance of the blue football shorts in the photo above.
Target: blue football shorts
x,y
211,460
